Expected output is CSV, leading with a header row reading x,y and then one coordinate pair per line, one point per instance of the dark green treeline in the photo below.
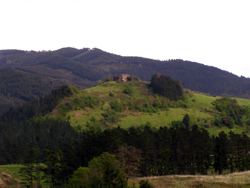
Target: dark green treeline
x,y
25,127
174,150
164,151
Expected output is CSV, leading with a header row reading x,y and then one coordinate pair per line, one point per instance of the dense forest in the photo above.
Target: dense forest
x,y
84,67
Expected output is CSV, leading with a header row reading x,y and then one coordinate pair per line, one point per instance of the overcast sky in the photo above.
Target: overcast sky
x,y
212,32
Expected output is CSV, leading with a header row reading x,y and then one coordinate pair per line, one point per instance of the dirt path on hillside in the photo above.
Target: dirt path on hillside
x,y
7,180
82,54
1,183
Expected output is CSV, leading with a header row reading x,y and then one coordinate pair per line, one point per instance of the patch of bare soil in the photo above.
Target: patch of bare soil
x,y
129,112
77,114
6,181
1,183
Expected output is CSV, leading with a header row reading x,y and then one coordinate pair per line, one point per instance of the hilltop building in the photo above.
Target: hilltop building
x,y
123,77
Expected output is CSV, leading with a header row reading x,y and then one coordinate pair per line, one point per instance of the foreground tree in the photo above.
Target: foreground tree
x,y
57,171
107,170
130,158
104,172
31,170
80,178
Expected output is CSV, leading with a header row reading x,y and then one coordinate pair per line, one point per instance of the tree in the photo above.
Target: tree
x,y
166,87
130,158
106,169
31,171
186,120
221,152
80,178
57,170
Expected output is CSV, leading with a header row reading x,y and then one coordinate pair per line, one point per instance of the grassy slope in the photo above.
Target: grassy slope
x,y
12,170
199,108
10,176
14,176
185,181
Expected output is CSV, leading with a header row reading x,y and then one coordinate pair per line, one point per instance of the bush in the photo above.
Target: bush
x,y
115,106
145,184
109,116
111,94
128,91
107,79
133,78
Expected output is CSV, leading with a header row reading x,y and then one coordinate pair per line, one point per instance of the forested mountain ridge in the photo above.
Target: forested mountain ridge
x,y
17,87
84,67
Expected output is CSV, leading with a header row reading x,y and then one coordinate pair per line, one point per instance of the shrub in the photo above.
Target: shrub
x,y
145,184
107,79
115,106
109,116
111,94
133,78
128,91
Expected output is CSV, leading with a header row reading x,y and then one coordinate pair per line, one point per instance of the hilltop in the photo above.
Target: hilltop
x,y
83,68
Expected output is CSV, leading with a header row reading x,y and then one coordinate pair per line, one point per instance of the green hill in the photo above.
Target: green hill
x,y
107,105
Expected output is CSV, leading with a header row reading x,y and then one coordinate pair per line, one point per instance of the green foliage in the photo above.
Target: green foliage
x,y
133,78
109,116
80,177
177,124
128,91
186,120
166,87
111,94
116,106
64,108
100,82
231,112
57,171
145,184
107,79
31,170
84,101
105,171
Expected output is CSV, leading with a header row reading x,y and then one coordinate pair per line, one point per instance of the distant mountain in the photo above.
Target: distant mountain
x,y
43,71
